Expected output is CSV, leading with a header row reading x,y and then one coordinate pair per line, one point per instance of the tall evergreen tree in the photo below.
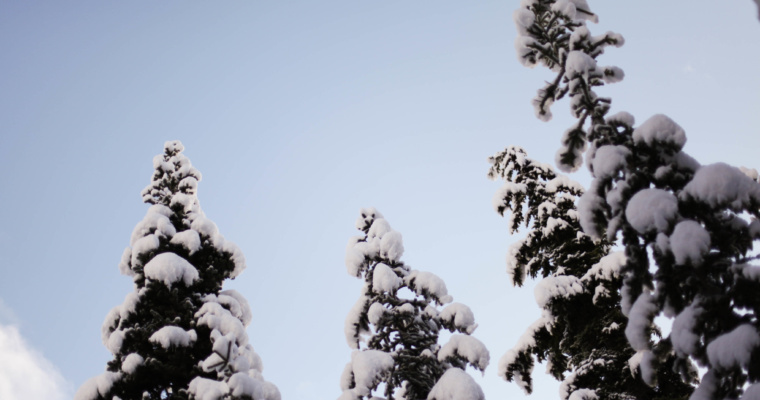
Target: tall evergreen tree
x,y
178,335
581,329
697,223
395,325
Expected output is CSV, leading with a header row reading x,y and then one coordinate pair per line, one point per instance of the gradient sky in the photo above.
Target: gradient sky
x,y
299,113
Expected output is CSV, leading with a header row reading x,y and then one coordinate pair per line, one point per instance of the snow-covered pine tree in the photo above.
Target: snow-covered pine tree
x,y
581,329
178,335
698,223
394,326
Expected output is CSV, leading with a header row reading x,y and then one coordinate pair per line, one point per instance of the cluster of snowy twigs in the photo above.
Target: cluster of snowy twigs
x,y
687,230
395,324
178,335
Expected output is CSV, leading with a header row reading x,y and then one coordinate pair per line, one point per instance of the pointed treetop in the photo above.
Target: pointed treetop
x,y
174,174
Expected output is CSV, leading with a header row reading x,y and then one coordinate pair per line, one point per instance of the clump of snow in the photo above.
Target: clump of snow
x,y
392,246
216,317
608,267
204,226
237,304
189,239
188,185
708,387
635,361
156,220
242,385
562,181
583,394
733,349
238,259
384,279
170,268
565,7
750,172
644,361
524,344
173,336
648,367
612,327
583,11
613,74
569,146
468,347
651,209
207,389
553,224
115,340
522,47
186,202
590,205
456,384
125,264
543,101
173,146
230,353
380,241
355,256
353,327
378,229
752,392
225,315
97,387
660,129
685,340
506,190
111,323
406,308
367,216
368,368
640,319
375,313
600,291
609,160
142,247
662,243
131,362
423,282
556,286
515,270
623,118
581,64
460,316
720,184
689,242
523,19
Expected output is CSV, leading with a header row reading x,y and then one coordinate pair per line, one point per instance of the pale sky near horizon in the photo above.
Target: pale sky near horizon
x,y
298,114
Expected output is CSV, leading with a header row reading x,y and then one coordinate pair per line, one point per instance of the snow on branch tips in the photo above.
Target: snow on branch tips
x,y
395,324
178,332
687,230
581,333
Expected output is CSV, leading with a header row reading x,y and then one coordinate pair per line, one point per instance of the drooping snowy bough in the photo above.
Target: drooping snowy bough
x,y
394,326
698,223
178,335
581,331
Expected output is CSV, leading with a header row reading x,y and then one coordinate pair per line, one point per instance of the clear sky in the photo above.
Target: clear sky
x,y
298,113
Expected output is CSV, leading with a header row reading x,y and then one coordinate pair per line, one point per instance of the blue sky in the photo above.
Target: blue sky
x,y
297,114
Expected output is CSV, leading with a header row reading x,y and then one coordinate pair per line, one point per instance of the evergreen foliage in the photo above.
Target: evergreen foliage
x,y
581,330
697,223
395,325
178,335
